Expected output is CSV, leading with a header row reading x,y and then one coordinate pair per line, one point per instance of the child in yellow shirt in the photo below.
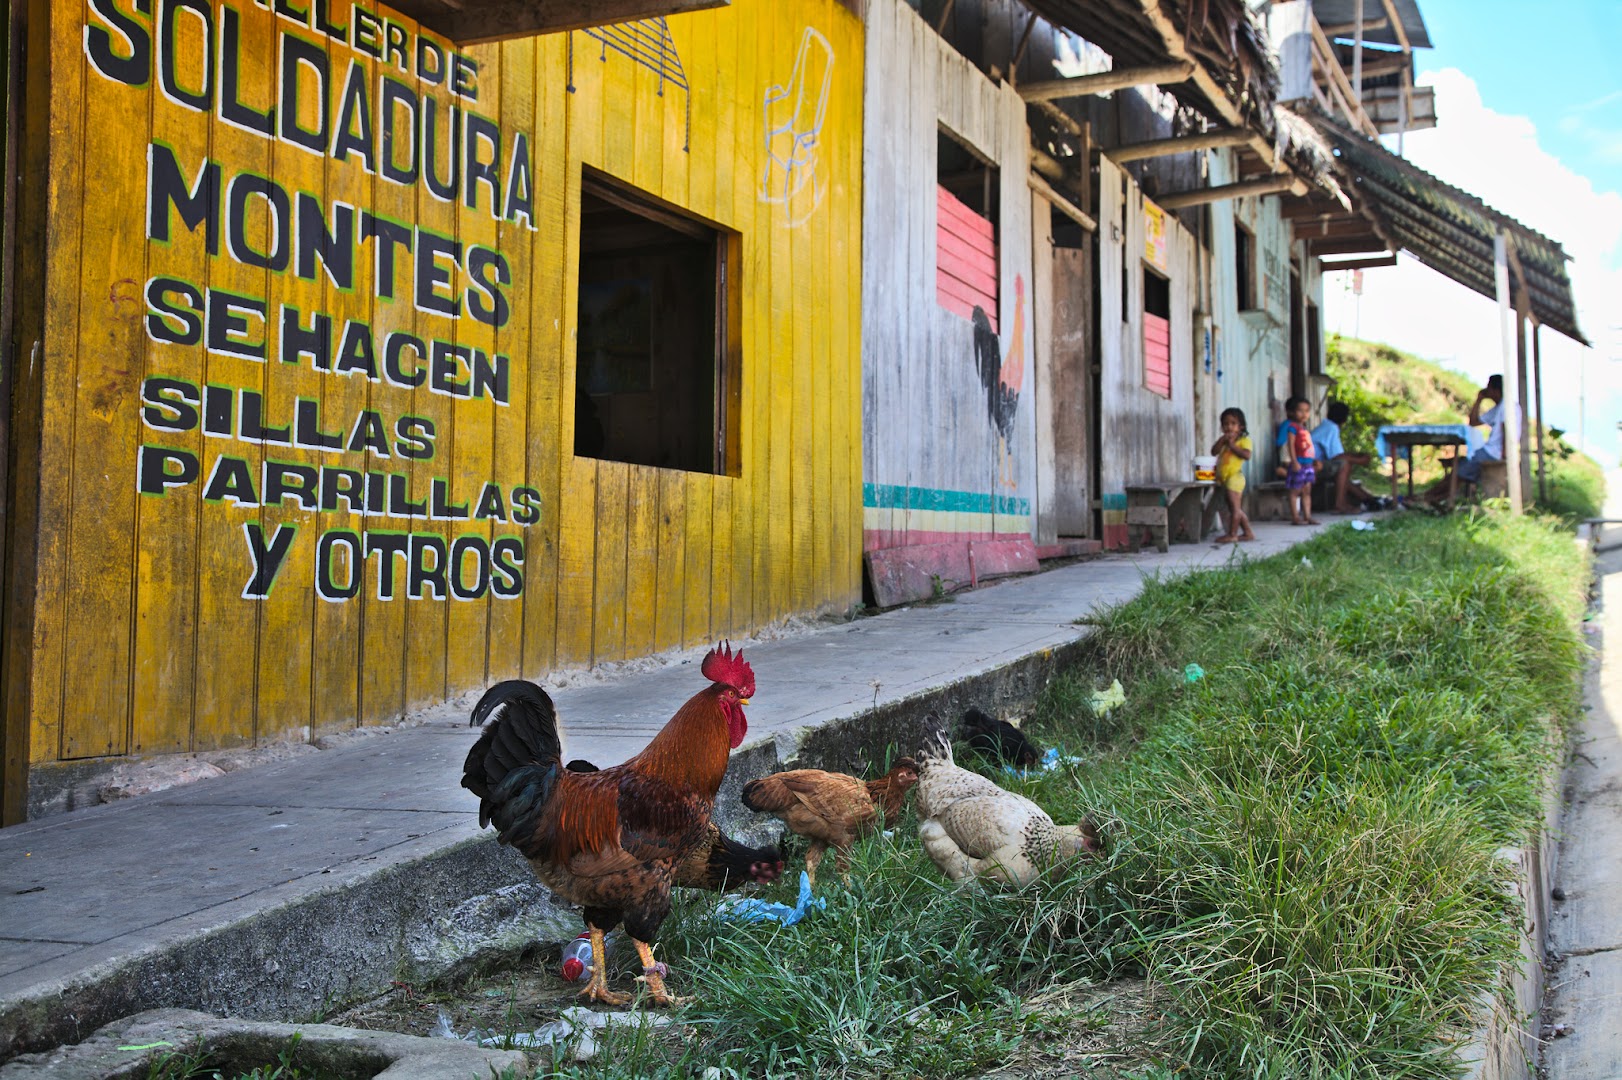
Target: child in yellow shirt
x,y
1232,450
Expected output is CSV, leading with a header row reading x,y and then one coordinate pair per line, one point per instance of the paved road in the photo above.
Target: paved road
x,y
1585,995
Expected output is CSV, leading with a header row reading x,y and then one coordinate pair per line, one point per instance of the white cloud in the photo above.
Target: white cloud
x,y
1497,157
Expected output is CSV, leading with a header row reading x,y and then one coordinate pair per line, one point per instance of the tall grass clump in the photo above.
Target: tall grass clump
x,y
1309,832
1302,842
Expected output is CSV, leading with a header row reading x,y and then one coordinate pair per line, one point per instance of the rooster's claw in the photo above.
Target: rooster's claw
x,y
601,993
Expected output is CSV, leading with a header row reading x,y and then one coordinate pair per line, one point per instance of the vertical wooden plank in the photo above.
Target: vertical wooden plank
x,y
652,113
577,555
336,660
577,500
850,214
823,381
429,637
225,696
696,579
609,592
473,418
553,246
65,87
721,558
166,529
511,428
777,365
672,568
641,561
111,355
386,611
287,613
733,198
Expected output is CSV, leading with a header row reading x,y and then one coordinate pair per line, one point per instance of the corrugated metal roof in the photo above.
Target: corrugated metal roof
x,y
1448,229
1226,42
1340,12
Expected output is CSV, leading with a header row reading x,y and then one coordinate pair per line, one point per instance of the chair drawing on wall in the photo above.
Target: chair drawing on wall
x,y
794,114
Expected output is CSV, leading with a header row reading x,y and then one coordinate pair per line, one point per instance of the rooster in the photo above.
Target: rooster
x,y
610,840
830,809
970,827
720,862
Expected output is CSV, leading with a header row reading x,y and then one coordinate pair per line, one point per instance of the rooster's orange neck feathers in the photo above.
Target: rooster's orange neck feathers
x,y
691,752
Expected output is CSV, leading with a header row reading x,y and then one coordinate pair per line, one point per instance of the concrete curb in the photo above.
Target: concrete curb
x,y
448,908
132,1047
1505,1044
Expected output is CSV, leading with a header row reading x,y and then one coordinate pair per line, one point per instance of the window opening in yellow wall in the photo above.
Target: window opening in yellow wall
x,y
652,378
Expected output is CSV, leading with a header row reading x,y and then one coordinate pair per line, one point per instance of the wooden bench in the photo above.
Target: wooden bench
x,y
1168,510
1269,501
1494,482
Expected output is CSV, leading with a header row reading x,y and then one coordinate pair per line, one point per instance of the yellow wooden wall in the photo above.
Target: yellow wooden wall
x,y
143,642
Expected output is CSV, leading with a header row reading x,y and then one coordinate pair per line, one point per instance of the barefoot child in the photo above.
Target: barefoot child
x,y
1296,450
1232,451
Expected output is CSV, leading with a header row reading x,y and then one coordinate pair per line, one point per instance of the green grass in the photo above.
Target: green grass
x,y
1303,843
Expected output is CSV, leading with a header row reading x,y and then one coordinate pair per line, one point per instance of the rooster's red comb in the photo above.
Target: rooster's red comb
x,y
724,666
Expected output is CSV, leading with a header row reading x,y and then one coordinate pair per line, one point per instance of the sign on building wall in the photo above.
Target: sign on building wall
x,y
1154,236
350,272
307,453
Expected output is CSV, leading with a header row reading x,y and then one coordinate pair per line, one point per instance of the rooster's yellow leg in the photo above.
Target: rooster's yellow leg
x,y
597,989
656,982
813,858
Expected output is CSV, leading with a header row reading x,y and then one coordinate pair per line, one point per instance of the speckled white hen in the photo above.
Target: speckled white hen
x,y
970,827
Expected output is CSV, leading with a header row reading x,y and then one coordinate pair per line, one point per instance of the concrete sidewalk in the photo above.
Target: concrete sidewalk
x,y
280,891
1582,1017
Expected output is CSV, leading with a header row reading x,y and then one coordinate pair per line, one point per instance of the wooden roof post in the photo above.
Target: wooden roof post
x,y
1523,396
1511,402
1537,393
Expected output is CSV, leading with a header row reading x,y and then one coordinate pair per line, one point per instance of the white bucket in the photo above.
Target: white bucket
x,y
1205,469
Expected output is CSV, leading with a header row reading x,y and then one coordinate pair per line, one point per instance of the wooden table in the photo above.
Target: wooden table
x,y
1412,435
1169,509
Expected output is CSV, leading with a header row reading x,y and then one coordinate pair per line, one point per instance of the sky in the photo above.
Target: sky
x,y
1535,131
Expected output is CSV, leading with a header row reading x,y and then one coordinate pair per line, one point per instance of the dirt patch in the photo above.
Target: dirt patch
x,y
1068,1030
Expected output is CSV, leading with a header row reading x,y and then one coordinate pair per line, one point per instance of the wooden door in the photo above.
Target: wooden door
x,y
1074,436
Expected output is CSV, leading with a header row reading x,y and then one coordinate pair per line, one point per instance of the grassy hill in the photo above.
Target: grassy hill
x,y
1383,385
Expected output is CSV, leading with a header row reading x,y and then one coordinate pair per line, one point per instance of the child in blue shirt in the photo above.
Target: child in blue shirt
x,y
1299,457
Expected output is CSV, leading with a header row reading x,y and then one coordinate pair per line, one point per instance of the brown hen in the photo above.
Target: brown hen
x,y
830,809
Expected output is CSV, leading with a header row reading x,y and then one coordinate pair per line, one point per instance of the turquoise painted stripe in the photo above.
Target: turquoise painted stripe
x,y
1115,502
901,497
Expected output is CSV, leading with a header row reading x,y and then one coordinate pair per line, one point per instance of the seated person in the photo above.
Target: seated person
x,y
1335,464
1491,450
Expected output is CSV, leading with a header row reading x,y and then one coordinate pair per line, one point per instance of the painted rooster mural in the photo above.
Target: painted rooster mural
x,y
1002,376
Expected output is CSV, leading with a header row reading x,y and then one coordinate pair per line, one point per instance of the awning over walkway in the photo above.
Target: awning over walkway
x,y
1233,80
1447,229
469,22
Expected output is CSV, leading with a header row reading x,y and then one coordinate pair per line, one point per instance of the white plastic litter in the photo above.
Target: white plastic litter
x,y
572,1035
1306,562
1363,526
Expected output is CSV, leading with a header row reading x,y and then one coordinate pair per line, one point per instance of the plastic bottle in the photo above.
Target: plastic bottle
x,y
577,959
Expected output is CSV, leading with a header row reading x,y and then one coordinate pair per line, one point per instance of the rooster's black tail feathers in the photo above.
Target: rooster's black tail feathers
x,y
523,731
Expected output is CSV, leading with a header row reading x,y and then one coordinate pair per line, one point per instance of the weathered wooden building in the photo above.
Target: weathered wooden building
x,y
949,394
351,368
1015,391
